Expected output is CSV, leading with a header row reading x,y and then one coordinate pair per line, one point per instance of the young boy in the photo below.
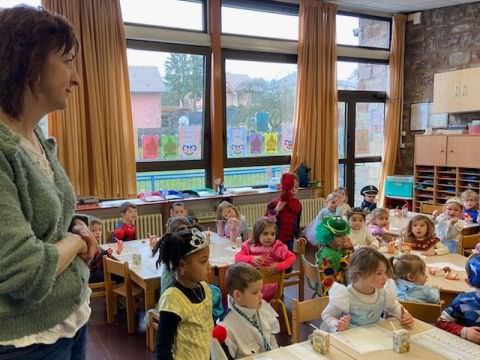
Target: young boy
x,y
126,229
178,209
461,317
331,201
470,205
96,265
369,194
251,323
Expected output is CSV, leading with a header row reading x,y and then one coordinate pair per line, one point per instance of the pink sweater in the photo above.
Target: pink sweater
x,y
277,254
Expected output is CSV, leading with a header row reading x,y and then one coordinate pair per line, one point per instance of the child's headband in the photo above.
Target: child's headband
x,y
198,242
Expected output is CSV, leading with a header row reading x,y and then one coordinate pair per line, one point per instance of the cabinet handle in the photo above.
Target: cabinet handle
x,y
451,151
464,90
457,91
441,150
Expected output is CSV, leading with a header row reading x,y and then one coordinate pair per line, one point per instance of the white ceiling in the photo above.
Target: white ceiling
x,y
394,6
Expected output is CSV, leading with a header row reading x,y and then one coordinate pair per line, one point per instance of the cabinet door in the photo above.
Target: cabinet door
x,y
446,92
462,151
470,92
430,150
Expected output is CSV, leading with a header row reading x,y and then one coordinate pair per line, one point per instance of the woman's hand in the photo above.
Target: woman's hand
x,y
87,236
343,323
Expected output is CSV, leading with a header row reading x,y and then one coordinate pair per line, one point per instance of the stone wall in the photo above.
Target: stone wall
x,y
447,39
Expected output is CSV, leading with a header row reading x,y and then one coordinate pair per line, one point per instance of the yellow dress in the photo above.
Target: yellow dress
x,y
194,332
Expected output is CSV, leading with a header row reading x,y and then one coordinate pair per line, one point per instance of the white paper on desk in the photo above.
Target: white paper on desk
x,y
219,240
441,265
366,338
303,352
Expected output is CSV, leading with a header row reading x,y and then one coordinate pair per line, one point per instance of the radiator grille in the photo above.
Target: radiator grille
x,y
310,209
146,225
252,212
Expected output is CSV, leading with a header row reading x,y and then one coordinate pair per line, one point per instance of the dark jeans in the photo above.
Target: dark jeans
x,y
64,349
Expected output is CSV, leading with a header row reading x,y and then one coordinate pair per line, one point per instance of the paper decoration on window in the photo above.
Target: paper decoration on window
x,y
361,141
169,146
271,143
149,147
287,137
237,141
189,142
255,140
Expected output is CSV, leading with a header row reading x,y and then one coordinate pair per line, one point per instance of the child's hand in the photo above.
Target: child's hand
x,y
406,319
435,214
343,323
280,206
270,269
258,261
473,334
429,252
453,220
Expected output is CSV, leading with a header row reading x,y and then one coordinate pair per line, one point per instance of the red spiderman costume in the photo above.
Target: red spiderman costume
x,y
124,232
288,218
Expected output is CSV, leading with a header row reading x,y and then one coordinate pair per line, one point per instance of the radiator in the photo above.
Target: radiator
x,y
252,212
310,209
146,225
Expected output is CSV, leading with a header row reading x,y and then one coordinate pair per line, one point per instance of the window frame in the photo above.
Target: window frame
x,y
229,54
169,165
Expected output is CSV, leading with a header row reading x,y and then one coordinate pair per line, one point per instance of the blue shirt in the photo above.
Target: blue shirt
x,y
465,308
472,213
409,291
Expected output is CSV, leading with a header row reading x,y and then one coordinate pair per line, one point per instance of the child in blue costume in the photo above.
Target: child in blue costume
x,y
369,295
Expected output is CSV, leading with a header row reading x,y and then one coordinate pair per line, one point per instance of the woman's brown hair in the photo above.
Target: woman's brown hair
x,y
29,35
364,262
430,227
407,264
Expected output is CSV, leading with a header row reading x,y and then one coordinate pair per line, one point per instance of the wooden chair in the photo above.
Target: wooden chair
x,y
313,277
127,290
297,277
98,289
277,300
304,311
428,313
466,243
426,208
153,317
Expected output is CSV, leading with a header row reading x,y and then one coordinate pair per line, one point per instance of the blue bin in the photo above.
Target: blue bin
x,y
399,186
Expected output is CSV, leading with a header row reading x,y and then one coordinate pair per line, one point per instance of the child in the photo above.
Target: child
x,y
369,294
96,265
229,213
449,225
185,325
378,224
342,207
287,210
178,209
420,235
330,210
264,251
251,323
369,194
359,234
125,229
410,278
470,205
334,248
461,317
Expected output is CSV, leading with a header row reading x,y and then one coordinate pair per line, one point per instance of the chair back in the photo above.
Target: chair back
x,y
428,313
312,274
273,278
304,311
429,208
467,242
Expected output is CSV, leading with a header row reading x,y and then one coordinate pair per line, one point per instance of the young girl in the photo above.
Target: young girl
x,y
470,205
330,210
449,225
334,249
378,224
186,323
342,207
233,221
359,234
410,278
264,251
287,210
369,294
421,236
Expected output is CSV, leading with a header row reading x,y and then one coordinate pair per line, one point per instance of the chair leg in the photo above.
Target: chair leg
x,y
281,309
130,310
109,300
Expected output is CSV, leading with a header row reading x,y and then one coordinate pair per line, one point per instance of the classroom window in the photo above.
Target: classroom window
x,y
180,14
10,3
279,22
253,176
170,180
365,76
363,31
365,174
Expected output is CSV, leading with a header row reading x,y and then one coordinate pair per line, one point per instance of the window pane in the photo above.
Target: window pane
x,y
365,174
370,118
260,23
167,91
10,3
362,76
342,129
357,31
341,175
171,180
260,108
252,176
169,13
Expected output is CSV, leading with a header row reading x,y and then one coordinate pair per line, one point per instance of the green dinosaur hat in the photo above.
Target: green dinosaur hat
x,y
331,227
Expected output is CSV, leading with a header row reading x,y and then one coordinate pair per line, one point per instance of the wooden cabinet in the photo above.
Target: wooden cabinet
x,y
430,150
462,151
456,91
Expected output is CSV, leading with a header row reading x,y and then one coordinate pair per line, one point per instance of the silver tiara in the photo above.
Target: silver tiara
x,y
199,241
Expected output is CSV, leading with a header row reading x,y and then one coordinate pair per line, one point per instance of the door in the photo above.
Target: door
x,y
470,99
430,150
462,151
446,92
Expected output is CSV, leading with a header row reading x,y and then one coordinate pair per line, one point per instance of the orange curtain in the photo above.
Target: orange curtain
x,y
95,133
393,117
315,141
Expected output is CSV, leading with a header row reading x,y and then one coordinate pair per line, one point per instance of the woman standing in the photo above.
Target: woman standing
x,y
43,272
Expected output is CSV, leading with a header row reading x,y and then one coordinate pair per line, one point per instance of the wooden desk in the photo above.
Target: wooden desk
x,y
299,351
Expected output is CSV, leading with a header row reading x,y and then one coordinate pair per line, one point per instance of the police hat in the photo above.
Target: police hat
x,y
369,190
